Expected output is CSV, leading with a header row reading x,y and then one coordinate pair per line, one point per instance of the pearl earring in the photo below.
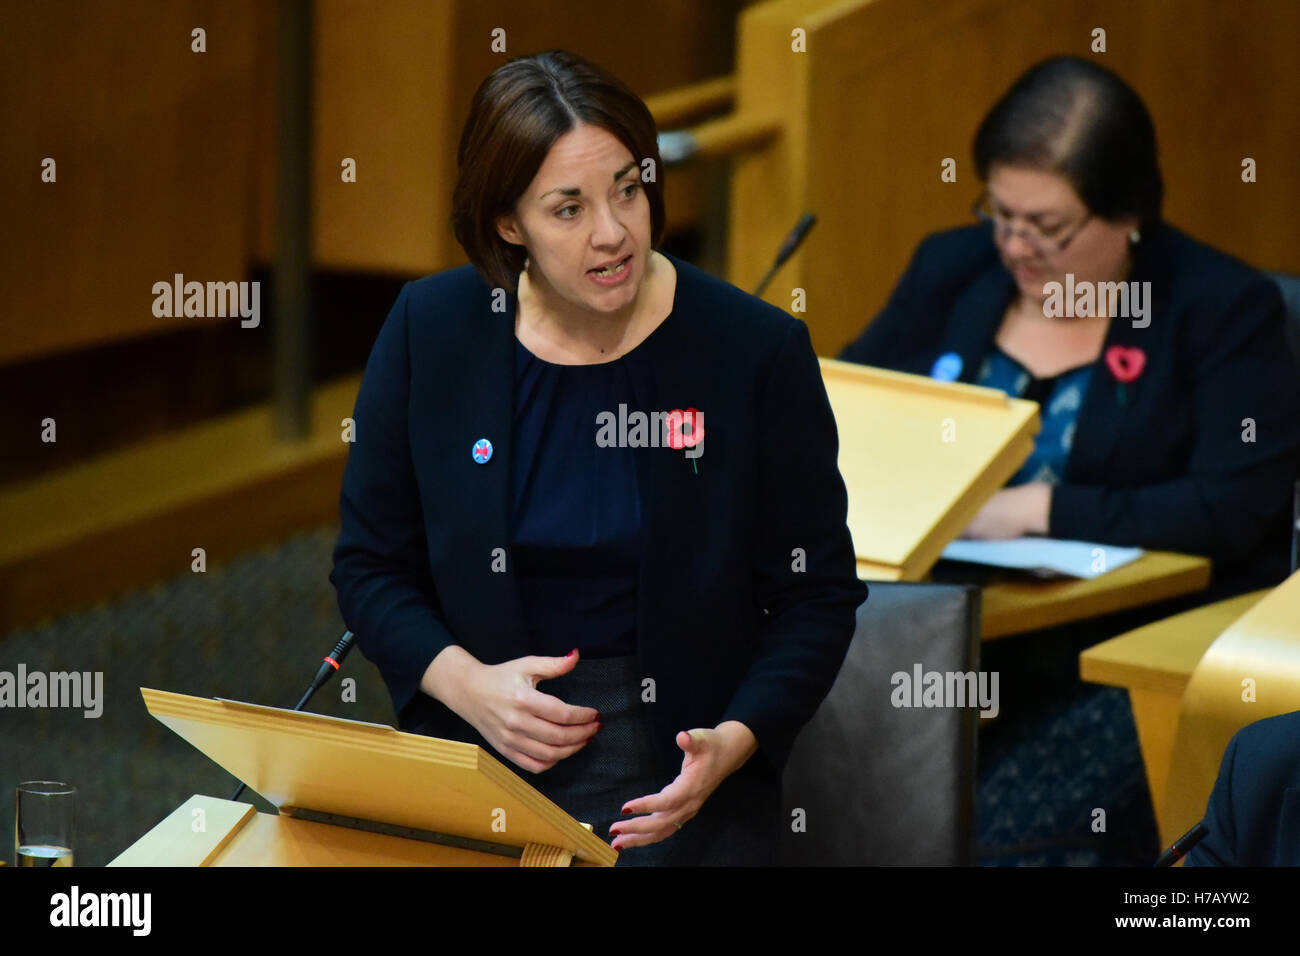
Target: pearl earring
x,y
1135,237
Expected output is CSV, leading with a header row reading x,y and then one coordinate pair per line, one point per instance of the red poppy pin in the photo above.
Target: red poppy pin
x,y
1125,366
686,430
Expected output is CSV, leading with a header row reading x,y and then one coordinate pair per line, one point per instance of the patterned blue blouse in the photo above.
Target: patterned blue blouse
x,y
1060,397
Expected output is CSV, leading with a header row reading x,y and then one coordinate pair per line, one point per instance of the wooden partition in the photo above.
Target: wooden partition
x,y
888,89
166,158
394,83
153,152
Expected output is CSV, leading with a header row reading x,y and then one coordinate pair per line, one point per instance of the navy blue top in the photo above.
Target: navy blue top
x,y
1061,396
575,513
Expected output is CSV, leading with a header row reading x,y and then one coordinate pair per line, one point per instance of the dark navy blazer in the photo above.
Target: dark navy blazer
x,y
1164,465
1253,816
730,624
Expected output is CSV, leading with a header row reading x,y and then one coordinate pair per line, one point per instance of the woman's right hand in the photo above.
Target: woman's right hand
x,y
501,701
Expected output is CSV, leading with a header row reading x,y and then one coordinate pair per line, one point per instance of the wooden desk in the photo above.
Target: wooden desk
x,y
1014,607
1154,663
235,834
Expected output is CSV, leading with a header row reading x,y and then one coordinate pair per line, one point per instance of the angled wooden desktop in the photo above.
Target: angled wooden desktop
x,y
920,458
351,793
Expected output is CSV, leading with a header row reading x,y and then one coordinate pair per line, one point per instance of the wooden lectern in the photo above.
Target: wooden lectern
x,y
919,459
352,794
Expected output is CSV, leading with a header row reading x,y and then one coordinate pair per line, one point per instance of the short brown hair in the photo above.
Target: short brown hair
x,y
517,114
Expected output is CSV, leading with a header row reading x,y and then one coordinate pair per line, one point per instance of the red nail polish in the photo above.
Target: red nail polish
x,y
572,652
598,726
625,810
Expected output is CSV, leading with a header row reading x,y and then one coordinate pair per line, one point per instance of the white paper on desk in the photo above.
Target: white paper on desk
x,y
1044,556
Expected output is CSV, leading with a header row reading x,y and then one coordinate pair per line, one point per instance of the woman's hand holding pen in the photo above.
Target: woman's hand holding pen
x,y
501,701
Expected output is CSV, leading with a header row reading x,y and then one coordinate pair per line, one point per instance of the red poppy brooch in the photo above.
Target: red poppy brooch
x,y
1125,365
686,430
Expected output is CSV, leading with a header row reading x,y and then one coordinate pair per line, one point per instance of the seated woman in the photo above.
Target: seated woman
x,y
1170,404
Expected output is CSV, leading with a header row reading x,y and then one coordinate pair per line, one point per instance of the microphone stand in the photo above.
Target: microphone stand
x,y
327,670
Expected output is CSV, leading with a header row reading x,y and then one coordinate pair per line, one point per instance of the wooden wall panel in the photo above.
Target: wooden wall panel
x,y
166,158
394,83
381,75
152,145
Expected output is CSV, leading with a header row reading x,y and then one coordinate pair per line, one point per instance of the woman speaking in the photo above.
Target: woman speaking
x,y
536,551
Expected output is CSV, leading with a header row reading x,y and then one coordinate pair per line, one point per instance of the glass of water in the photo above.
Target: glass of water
x,y
43,823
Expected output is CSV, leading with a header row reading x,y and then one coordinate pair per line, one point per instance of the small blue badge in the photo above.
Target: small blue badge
x,y
947,367
482,451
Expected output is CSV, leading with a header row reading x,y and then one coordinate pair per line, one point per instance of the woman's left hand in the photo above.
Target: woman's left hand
x,y
1013,512
711,756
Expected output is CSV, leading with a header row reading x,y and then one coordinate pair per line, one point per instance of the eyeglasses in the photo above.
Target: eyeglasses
x,y
1046,242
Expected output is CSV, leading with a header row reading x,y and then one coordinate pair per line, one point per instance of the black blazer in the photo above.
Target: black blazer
x,y
727,628
1253,816
1168,468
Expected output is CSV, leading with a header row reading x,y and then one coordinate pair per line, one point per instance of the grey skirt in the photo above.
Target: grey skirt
x,y
737,826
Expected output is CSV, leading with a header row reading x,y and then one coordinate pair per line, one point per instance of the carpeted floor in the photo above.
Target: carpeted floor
x,y
256,629
1062,784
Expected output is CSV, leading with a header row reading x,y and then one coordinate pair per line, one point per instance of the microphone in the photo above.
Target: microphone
x,y
792,242
327,670
1182,845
